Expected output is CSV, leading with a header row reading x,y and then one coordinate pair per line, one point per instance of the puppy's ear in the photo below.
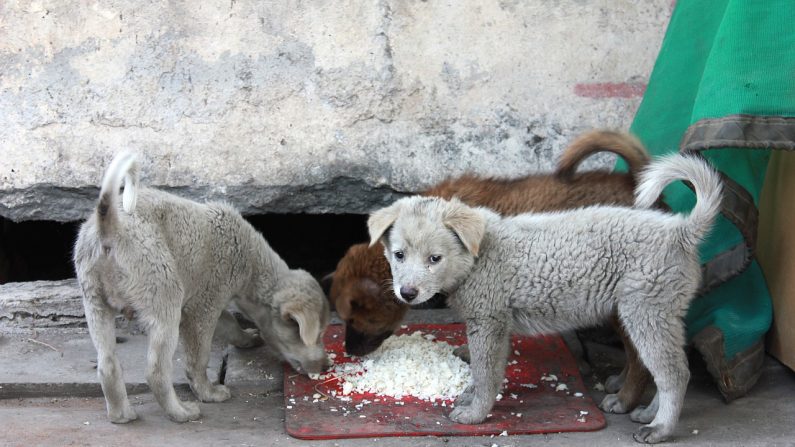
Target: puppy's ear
x,y
343,307
380,221
467,223
370,287
308,327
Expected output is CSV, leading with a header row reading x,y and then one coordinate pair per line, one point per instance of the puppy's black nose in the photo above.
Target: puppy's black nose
x,y
408,293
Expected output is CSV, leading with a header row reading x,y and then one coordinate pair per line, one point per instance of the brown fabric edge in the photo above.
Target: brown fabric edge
x,y
736,131
736,376
742,130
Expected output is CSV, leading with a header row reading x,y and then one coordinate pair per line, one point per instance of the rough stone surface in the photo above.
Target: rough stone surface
x,y
63,362
41,304
258,366
312,107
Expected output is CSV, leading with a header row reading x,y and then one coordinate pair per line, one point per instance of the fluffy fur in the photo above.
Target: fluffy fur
x,y
360,288
363,300
361,285
541,273
177,264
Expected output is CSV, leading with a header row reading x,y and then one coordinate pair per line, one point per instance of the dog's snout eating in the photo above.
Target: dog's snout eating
x,y
361,343
408,293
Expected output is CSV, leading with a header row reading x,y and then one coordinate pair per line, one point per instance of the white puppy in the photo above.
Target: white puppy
x,y
549,272
177,264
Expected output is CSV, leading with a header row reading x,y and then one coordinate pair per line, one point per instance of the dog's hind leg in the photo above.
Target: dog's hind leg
x,y
102,327
645,414
197,329
627,388
659,336
637,379
163,337
489,343
614,383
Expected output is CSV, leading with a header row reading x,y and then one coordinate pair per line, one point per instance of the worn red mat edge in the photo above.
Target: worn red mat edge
x,y
434,416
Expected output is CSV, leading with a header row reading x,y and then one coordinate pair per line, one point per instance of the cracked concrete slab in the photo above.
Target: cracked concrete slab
x,y
41,304
63,363
258,366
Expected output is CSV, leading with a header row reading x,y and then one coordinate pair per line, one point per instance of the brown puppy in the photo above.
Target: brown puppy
x,y
361,295
361,291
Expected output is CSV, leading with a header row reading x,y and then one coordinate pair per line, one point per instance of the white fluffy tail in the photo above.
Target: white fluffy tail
x,y
700,174
124,166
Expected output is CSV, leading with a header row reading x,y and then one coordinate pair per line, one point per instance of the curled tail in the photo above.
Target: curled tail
x,y
624,145
700,174
124,166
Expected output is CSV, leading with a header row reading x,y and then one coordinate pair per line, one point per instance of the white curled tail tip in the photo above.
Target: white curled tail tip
x,y
130,196
124,166
694,169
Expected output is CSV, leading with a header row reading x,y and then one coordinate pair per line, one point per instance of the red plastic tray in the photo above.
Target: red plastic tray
x,y
534,410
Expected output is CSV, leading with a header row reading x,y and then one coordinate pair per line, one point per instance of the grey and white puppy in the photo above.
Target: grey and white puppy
x,y
550,272
177,264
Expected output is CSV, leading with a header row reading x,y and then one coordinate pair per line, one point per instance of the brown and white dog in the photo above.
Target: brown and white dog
x,y
361,284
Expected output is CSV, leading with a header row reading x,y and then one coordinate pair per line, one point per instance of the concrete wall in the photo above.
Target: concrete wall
x,y
306,106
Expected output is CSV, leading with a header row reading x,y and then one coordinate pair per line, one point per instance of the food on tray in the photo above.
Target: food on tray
x,y
405,365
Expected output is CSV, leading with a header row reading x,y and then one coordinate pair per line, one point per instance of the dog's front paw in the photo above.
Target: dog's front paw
x,y
126,415
612,404
466,396
649,434
643,414
217,393
468,414
186,411
614,383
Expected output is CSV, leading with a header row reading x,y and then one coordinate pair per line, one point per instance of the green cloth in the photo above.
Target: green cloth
x,y
719,58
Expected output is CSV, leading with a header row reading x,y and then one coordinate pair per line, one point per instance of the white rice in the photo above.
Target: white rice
x,y
406,365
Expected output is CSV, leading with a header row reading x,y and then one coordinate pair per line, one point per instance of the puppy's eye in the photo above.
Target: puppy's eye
x,y
398,255
434,259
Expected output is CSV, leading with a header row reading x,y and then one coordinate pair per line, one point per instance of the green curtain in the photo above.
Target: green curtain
x,y
721,58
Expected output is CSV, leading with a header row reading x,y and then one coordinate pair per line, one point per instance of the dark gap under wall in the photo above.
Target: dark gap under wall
x,y
313,242
36,250
42,250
